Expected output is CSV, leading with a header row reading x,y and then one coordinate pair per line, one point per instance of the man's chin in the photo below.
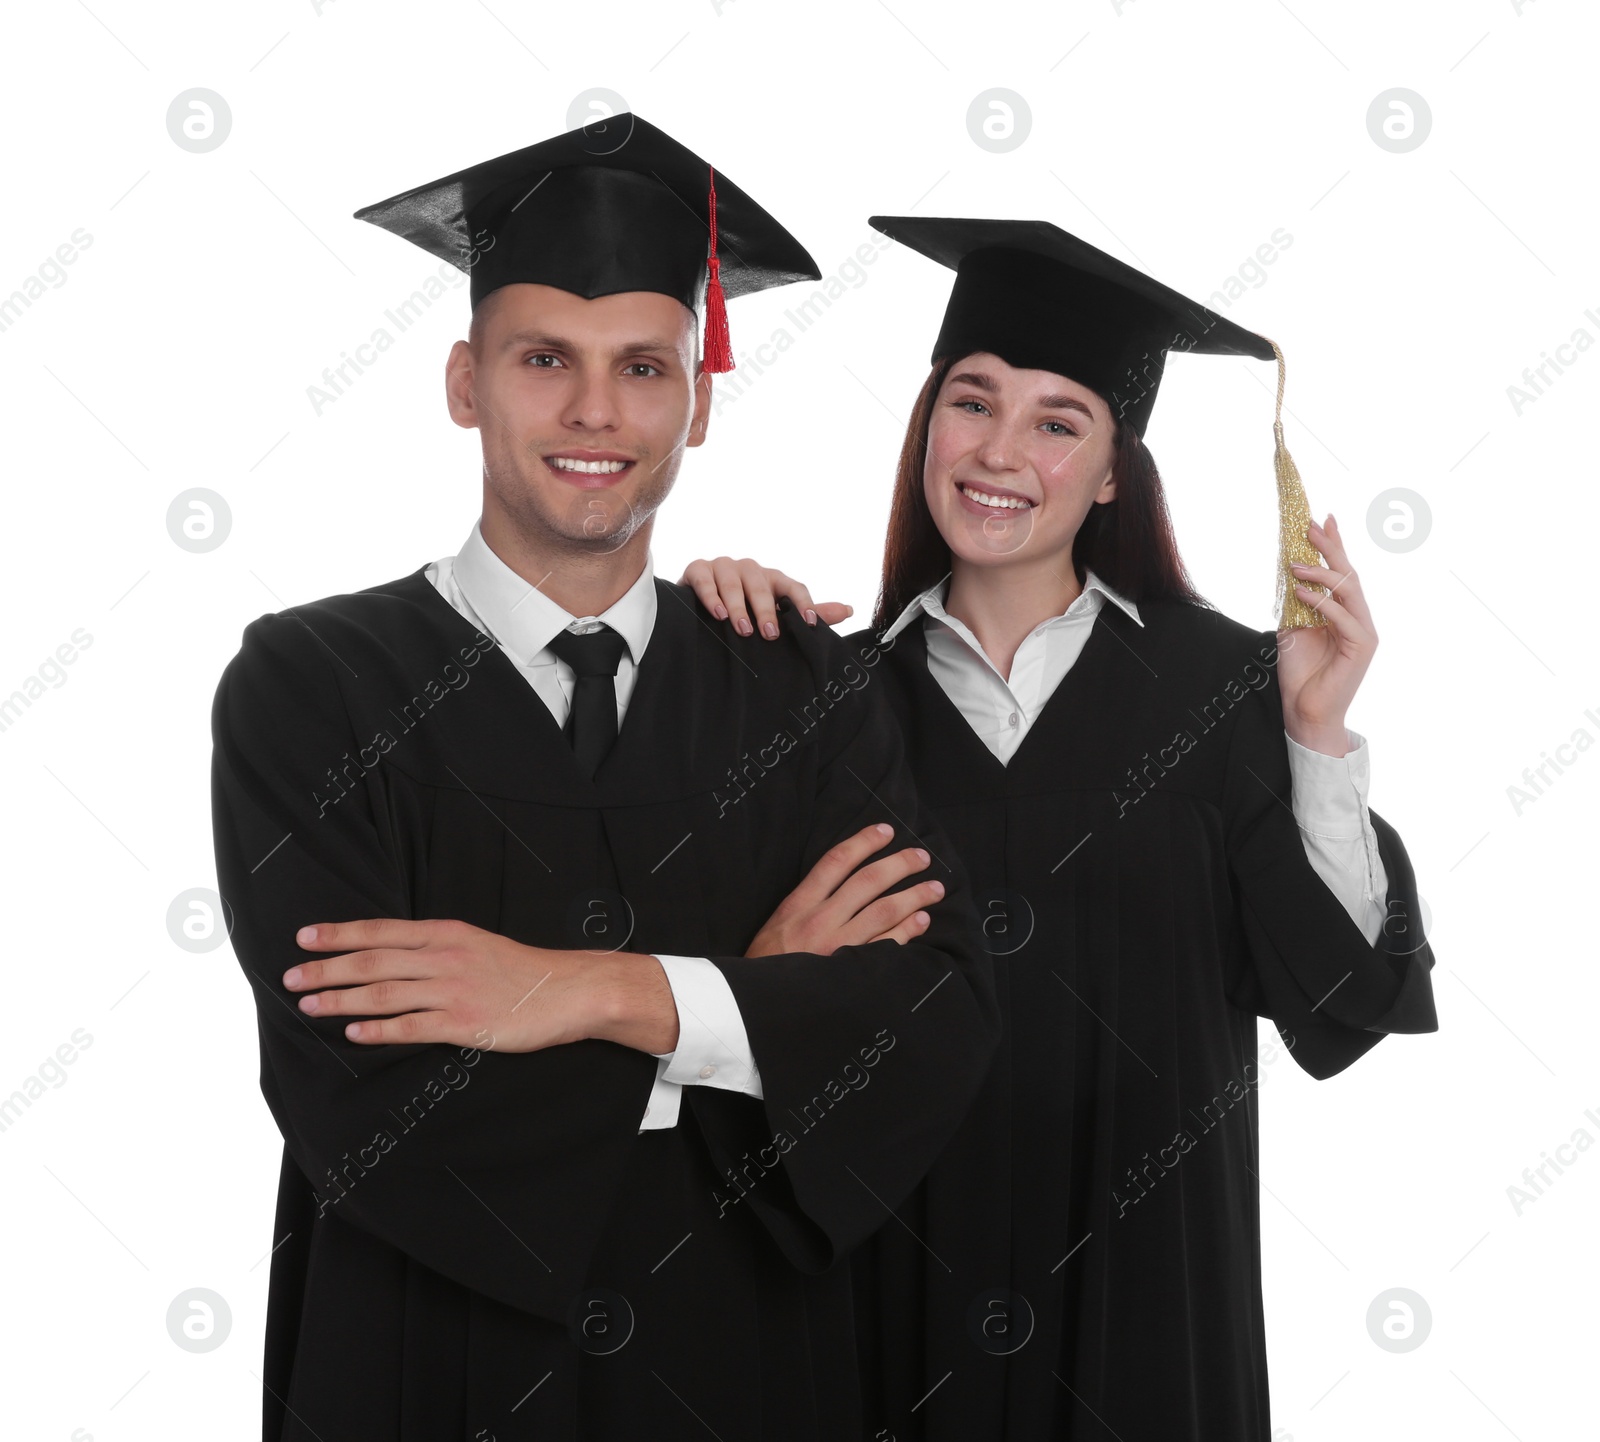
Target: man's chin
x,y
596,525
592,519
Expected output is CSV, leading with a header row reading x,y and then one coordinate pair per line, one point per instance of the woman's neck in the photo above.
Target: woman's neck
x,y
1000,605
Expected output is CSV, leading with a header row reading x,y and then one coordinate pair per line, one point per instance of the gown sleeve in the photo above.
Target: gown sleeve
x,y
870,1057
504,1189
1298,957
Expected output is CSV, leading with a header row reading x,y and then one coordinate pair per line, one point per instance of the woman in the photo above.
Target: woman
x,y
1113,761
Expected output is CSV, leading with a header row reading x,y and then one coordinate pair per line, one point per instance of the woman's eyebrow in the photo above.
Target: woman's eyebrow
x,y
984,382
1065,403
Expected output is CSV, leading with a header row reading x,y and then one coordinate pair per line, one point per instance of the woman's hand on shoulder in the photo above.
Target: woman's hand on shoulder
x,y
1320,667
736,590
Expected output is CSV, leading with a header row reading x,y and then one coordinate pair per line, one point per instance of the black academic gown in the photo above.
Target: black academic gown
x,y
1084,1260
473,1244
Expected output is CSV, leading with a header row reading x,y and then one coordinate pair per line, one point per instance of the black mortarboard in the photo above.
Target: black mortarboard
x,y
1042,299
617,205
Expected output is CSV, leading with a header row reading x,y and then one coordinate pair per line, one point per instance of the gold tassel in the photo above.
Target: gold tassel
x,y
1294,515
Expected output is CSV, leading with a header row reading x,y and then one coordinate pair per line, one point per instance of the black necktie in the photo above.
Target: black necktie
x,y
592,720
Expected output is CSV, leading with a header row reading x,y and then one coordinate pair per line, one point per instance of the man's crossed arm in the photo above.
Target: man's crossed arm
x,y
448,981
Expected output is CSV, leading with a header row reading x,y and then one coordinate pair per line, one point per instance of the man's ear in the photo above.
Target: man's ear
x,y
458,395
702,407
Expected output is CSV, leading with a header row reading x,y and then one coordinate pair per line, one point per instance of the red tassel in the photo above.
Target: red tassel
x,y
717,355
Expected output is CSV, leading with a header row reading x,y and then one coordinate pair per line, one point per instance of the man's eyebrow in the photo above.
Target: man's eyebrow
x,y
546,341
654,347
533,337
1050,403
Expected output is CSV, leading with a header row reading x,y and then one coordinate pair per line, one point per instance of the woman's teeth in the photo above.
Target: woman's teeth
x,y
983,498
593,468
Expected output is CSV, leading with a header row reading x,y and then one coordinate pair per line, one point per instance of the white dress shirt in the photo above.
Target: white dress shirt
x,y
713,1048
1329,792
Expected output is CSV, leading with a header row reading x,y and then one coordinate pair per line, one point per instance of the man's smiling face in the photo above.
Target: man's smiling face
x,y
584,407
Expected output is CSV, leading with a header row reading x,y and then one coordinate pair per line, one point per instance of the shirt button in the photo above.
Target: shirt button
x,y
1013,718
707,1072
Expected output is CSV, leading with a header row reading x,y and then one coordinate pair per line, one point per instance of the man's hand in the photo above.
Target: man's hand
x,y
446,981
837,905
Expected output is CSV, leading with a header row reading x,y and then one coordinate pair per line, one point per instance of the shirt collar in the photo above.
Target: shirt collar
x,y
523,619
1095,594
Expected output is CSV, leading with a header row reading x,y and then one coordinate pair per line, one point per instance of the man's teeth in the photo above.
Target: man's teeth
x,y
593,468
983,498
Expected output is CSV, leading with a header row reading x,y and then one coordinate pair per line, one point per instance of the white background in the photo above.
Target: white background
x,y
177,350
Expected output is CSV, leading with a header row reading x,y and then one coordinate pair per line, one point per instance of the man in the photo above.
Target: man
x,y
580,1104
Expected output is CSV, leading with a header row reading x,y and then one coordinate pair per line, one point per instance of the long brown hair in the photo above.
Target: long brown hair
x,y
1127,542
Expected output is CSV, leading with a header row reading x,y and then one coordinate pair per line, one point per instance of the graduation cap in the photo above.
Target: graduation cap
x,y
617,205
1042,299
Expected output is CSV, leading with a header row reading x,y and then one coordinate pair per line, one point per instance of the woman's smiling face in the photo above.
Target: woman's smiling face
x,y
1015,460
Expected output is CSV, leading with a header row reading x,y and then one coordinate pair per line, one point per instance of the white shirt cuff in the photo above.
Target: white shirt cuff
x,y
665,1097
1330,807
713,1049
